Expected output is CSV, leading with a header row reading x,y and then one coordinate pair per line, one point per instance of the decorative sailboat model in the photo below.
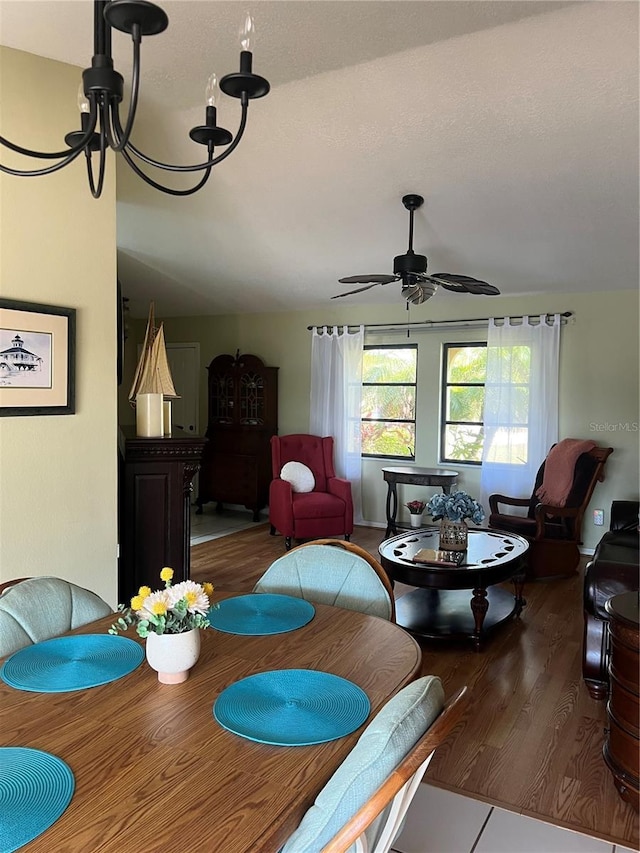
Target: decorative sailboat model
x,y
152,388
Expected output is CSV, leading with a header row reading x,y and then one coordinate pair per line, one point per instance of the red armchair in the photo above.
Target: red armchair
x,y
325,511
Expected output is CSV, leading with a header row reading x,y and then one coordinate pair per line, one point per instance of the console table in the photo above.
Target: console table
x,y
415,477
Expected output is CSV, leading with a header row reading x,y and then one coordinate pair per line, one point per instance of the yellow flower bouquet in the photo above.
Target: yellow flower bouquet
x,y
172,610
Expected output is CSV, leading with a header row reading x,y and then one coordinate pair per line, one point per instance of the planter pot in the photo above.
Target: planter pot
x,y
416,519
454,535
173,655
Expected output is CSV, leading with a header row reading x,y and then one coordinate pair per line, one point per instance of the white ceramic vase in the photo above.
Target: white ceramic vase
x,y
416,519
173,655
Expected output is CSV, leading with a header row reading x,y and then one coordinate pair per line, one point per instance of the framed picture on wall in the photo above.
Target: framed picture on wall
x,y
37,359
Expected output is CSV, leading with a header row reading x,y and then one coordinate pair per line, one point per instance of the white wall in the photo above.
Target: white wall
x,y
57,246
598,375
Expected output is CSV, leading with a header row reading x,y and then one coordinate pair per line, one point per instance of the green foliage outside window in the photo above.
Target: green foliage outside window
x,y
465,369
464,375
389,401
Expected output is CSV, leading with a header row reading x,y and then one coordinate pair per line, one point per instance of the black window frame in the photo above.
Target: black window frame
x,y
408,458
444,387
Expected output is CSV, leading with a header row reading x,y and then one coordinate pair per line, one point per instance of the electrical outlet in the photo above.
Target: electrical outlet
x,y
598,517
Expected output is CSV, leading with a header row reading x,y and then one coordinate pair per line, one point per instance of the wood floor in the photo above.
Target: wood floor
x,y
532,740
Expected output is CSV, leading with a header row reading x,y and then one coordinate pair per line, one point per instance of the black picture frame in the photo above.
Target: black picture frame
x,y
37,359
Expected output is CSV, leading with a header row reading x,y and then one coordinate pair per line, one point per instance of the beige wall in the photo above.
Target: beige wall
x,y
57,246
598,374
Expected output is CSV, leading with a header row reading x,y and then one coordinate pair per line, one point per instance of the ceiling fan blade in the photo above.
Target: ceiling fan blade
x,y
357,290
483,289
464,284
366,279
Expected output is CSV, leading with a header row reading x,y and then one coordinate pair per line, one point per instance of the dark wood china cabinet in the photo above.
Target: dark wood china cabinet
x,y
243,415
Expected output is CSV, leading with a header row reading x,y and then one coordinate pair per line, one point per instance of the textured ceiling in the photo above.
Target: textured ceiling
x,y
517,121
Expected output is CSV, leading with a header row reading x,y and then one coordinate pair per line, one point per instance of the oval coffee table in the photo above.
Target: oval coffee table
x,y
441,605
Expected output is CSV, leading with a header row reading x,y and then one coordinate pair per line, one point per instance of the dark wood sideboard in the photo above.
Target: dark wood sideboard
x,y
243,415
155,485
622,746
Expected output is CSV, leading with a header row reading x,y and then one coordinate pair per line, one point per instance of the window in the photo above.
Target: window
x,y
388,422
464,370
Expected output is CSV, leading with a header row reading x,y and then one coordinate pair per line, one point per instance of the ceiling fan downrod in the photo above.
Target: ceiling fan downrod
x,y
410,262
412,202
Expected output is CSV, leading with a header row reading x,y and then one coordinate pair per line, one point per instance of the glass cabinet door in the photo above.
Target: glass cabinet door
x,y
221,398
251,398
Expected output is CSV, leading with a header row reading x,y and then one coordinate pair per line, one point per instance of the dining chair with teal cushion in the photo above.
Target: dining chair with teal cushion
x,y
331,575
362,807
37,609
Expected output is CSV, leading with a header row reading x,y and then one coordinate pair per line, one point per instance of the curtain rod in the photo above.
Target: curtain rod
x,y
430,323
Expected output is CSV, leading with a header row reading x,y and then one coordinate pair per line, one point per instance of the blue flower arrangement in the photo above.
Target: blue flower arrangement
x,y
455,507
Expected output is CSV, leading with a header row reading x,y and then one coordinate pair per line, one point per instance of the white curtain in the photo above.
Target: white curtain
x,y
521,405
336,391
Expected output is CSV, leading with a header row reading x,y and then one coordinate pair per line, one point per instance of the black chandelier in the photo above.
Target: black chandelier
x,y
100,94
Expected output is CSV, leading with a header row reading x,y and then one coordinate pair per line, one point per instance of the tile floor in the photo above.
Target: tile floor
x,y
210,525
441,821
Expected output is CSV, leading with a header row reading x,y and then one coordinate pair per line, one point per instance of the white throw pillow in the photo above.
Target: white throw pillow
x,y
300,477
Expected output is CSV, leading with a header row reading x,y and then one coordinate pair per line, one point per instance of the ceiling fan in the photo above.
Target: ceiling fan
x,y
411,270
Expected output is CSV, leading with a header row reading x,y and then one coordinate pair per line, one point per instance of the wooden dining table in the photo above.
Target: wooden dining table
x,y
154,770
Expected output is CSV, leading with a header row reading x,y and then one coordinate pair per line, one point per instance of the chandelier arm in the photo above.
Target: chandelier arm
x,y
48,170
107,129
156,185
131,148
96,192
118,144
55,155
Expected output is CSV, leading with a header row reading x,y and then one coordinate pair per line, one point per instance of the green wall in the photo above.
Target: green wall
x,y
58,487
598,374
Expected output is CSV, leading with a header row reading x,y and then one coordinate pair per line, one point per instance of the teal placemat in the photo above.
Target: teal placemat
x,y
72,663
292,707
261,613
35,789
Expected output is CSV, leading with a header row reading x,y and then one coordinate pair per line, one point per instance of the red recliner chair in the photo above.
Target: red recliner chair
x,y
327,510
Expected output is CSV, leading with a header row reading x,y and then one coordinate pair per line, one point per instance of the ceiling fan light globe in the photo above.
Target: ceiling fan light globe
x,y
417,294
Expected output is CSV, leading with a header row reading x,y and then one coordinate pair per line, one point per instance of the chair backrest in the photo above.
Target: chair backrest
x,y
13,582
375,565
589,470
314,451
362,806
329,575
37,609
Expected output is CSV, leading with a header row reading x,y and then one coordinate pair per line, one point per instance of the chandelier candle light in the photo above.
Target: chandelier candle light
x,y
101,92
451,511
